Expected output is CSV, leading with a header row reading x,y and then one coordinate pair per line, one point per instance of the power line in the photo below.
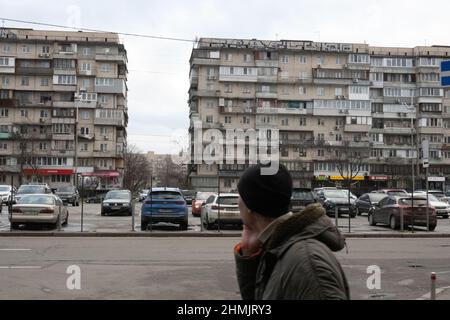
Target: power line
x,y
102,31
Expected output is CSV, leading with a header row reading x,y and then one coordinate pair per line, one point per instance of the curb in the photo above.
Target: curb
x,y
175,234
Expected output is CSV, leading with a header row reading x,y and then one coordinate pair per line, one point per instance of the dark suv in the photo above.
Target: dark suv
x,y
69,194
301,197
337,200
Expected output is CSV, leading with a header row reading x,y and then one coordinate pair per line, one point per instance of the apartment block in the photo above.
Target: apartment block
x,y
323,97
63,107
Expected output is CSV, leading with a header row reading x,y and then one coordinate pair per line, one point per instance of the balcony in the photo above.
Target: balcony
x,y
62,153
64,104
60,136
203,93
87,73
431,130
88,137
267,63
238,109
9,103
267,79
63,120
6,135
393,130
85,104
357,128
104,154
65,55
60,87
238,78
109,121
118,87
267,95
34,71
9,169
120,58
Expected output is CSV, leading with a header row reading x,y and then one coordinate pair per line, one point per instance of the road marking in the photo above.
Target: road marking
x,y
20,267
15,249
438,292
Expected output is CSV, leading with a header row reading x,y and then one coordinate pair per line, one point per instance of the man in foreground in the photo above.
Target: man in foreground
x,y
284,255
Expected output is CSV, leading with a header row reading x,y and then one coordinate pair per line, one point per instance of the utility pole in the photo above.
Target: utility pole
x,y
75,165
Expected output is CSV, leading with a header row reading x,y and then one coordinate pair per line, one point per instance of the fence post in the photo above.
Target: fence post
x,y
433,286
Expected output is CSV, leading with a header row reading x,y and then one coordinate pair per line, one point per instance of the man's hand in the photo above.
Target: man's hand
x,y
250,243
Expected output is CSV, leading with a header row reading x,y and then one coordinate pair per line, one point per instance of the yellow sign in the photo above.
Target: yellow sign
x,y
357,178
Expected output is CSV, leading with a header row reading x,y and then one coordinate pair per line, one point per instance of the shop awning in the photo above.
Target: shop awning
x,y
48,172
102,174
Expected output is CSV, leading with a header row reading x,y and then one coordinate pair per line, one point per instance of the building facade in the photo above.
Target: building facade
x,y
63,107
323,97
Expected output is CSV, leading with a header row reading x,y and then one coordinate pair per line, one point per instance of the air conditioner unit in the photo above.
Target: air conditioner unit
x,y
399,114
41,120
83,89
346,65
336,128
106,137
355,80
341,111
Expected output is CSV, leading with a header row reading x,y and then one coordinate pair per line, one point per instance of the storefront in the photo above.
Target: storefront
x,y
101,180
53,177
436,183
378,182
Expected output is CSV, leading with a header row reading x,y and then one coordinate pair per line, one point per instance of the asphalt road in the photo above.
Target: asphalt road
x,y
197,268
94,222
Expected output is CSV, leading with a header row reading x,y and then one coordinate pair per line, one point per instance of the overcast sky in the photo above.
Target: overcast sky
x,y
158,70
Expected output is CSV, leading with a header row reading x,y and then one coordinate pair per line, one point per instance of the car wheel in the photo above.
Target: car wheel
x,y
358,212
183,226
432,227
144,225
371,219
445,217
15,225
393,223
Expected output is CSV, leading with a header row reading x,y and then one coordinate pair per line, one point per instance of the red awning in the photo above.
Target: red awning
x,y
110,174
48,172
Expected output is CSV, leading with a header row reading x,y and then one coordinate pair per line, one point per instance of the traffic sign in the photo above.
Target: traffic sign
x,y
445,73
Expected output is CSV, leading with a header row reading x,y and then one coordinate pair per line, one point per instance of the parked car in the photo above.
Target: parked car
x,y
199,200
352,196
389,211
27,189
39,208
188,195
437,193
98,198
117,202
301,197
223,209
164,205
392,192
318,192
442,208
69,194
368,201
332,199
143,194
5,193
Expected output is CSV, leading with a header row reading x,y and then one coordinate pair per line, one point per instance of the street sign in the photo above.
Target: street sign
x,y
436,179
445,73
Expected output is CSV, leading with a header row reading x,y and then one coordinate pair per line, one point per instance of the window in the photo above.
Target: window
x,y
86,66
86,83
64,63
245,120
84,115
84,147
338,59
359,58
247,57
45,49
285,121
284,59
227,119
104,82
43,146
4,113
228,88
303,59
228,56
4,61
320,91
301,90
6,48
25,81
103,147
302,121
67,80
209,119
321,136
44,113
104,99
338,137
24,113
338,91
26,49
4,146
45,82
84,130
320,122
5,81
62,128
87,51
320,153
303,75
246,88
105,67
320,60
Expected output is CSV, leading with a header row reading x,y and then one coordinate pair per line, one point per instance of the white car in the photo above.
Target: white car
x,y
143,194
223,208
5,193
39,208
442,208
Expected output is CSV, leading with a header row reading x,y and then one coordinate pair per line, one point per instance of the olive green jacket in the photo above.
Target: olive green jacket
x,y
296,261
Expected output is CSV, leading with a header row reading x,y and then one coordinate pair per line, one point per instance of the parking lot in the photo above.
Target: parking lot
x,y
94,222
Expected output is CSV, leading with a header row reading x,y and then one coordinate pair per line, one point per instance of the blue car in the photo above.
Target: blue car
x,y
164,205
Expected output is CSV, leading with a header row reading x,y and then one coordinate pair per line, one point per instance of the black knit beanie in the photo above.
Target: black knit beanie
x,y
269,195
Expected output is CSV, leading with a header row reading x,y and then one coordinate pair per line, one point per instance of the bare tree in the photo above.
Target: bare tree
x,y
137,171
25,142
171,174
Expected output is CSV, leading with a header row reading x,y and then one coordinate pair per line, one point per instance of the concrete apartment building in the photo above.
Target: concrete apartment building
x,y
63,107
323,97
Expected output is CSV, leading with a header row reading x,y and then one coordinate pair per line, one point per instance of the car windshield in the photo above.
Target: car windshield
x,y
418,202
377,197
228,200
334,194
166,195
3,189
117,195
65,189
37,199
188,193
396,192
302,195
202,196
30,189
